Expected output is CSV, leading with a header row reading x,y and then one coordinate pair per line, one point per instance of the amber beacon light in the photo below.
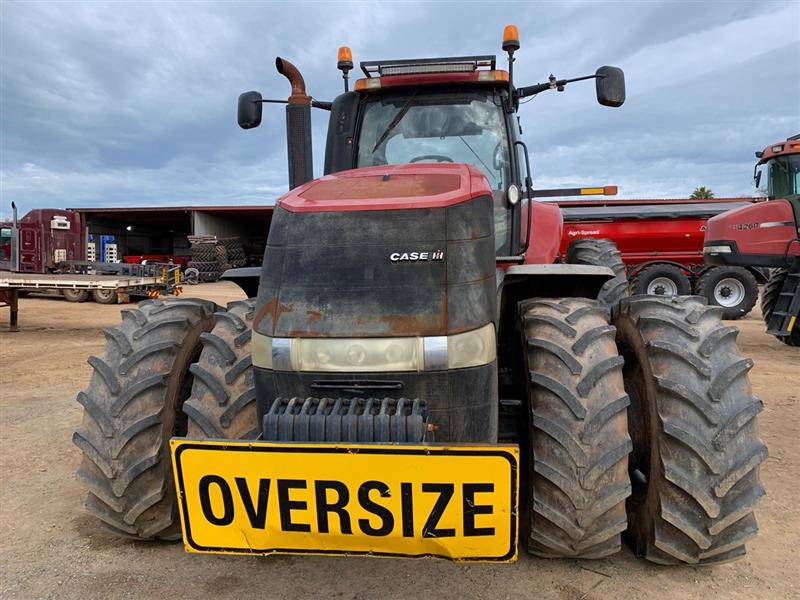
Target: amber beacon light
x,y
344,62
510,38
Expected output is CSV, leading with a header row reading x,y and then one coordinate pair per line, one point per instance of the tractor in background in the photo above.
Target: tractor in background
x,y
767,234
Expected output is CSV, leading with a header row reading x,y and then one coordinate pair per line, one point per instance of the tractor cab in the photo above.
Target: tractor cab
x,y
430,110
777,173
447,110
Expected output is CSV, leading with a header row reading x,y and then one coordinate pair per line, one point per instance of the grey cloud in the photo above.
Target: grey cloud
x,y
134,103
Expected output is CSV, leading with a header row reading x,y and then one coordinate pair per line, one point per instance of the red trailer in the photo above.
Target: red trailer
x,y
45,237
661,242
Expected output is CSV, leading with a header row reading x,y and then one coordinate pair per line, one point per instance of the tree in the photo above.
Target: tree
x,y
702,192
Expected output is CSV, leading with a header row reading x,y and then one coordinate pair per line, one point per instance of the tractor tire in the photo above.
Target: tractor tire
x,y
223,400
661,280
769,296
105,296
75,295
696,448
132,408
579,443
734,289
602,253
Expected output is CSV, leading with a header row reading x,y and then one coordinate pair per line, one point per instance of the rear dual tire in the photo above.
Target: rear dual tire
x,y
602,253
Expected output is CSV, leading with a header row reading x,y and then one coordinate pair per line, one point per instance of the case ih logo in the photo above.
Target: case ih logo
x,y
416,256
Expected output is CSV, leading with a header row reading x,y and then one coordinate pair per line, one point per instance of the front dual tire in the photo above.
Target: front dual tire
x,y
171,368
688,440
659,398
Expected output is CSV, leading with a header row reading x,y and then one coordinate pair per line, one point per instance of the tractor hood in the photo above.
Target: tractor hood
x,y
389,187
404,250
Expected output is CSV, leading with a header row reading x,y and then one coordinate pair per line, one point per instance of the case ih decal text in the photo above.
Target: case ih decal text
x,y
416,256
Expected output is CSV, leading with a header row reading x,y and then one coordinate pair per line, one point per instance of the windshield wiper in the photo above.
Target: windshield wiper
x,y
397,118
488,170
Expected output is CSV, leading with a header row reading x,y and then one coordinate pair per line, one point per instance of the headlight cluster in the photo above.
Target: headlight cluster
x,y
473,348
332,354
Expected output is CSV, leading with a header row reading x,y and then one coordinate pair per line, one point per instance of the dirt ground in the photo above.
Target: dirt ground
x,y
49,548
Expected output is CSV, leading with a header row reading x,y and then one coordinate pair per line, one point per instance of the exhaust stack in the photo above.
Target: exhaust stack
x,y
14,238
298,126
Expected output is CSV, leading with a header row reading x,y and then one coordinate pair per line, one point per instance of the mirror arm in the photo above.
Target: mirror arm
x,y
315,103
553,84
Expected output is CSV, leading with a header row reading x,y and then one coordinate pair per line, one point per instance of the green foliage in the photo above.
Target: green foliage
x,y
702,192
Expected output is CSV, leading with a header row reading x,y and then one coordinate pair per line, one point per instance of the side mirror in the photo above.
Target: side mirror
x,y
249,113
758,179
610,85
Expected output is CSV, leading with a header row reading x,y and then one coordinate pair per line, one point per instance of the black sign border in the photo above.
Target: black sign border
x,y
450,449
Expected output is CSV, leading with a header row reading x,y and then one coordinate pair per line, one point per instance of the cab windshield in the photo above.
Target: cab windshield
x,y
447,128
779,177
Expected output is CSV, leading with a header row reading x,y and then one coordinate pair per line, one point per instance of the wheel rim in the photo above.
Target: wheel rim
x,y
729,292
662,286
105,294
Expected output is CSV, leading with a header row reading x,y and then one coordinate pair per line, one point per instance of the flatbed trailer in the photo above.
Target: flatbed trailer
x,y
107,288
661,242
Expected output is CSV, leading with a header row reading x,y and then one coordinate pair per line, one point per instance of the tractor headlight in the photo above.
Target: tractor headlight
x,y
368,354
470,349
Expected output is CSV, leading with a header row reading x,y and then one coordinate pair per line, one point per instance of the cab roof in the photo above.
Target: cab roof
x,y
790,146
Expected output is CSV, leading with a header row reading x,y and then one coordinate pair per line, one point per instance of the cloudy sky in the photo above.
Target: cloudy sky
x,y
133,103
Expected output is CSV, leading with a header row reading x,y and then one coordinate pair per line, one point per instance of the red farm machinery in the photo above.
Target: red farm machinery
x,y
417,371
767,235
661,243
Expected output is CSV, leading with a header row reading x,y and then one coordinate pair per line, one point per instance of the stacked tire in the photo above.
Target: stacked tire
x,y
213,258
205,259
234,252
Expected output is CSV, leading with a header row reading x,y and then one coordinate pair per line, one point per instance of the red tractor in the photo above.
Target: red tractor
x,y
412,329
767,234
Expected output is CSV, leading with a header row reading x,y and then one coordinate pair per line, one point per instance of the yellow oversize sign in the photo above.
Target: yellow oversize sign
x,y
457,502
